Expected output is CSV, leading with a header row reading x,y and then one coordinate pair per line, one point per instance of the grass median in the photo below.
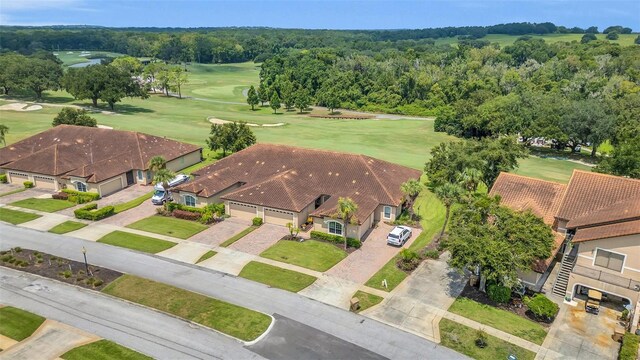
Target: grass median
x,y
367,300
18,324
118,208
136,242
103,350
209,254
310,254
67,226
276,277
182,229
16,217
46,205
239,236
227,318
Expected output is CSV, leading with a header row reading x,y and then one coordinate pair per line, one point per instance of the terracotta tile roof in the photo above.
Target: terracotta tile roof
x,y
607,231
366,206
290,178
543,264
519,193
625,210
93,153
588,192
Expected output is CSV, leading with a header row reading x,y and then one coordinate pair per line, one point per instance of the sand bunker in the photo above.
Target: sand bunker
x,y
105,127
20,107
214,120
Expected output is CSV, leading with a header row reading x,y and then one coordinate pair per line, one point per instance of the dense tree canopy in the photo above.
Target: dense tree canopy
x,y
230,137
72,116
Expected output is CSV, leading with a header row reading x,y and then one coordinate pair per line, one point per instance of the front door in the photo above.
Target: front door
x,y
130,180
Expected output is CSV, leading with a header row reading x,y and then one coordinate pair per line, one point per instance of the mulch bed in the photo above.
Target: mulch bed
x,y
65,270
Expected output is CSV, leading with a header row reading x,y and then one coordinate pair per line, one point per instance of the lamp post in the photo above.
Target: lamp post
x,y
84,253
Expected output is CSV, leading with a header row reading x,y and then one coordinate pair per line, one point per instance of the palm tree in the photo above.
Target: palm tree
x,y
3,131
156,163
346,209
163,176
449,194
470,178
411,188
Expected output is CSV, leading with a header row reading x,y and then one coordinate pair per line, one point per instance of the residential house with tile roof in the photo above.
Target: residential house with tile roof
x,y
284,184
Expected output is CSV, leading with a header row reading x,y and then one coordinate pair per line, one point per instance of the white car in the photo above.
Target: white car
x,y
179,179
399,235
159,197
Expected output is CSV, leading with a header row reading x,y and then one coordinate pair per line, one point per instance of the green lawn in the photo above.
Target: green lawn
x,y
66,227
499,319
549,168
118,208
16,217
103,350
46,205
310,254
182,229
18,324
227,318
136,242
462,339
276,277
238,236
367,300
209,254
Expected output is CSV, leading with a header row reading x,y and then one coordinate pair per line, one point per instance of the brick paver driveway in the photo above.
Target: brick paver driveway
x,y
219,233
118,197
29,193
260,239
360,265
130,216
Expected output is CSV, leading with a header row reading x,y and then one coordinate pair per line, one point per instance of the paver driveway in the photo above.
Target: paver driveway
x,y
361,264
260,239
29,193
219,233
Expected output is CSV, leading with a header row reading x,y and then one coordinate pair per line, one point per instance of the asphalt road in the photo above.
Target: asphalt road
x,y
365,333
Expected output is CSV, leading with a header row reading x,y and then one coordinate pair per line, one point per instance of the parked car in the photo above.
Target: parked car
x,y
399,235
159,197
593,301
179,179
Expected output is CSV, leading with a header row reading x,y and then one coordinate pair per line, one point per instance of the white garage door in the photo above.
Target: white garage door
x,y
18,179
45,182
278,217
242,211
110,187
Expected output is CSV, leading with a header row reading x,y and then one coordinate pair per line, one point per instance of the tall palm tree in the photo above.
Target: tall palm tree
x,y
449,194
346,209
156,163
411,188
3,131
163,176
470,178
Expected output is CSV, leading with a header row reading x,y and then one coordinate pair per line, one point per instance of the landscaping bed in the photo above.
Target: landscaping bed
x,y
310,254
18,324
16,217
103,350
276,277
53,267
46,205
136,242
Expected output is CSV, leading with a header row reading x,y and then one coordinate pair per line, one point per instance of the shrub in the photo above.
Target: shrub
x,y
498,293
336,239
354,243
81,197
409,260
629,349
17,249
28,184
481,339
541,307
624,315
257,221
216,209
432,254
66,274
97,282
3,178
60,196
91,212
186,215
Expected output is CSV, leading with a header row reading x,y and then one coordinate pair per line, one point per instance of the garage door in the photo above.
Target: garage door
x,y
45,182
110,187
18,179
242,211
278,217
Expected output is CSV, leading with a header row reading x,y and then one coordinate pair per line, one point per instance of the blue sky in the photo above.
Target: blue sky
x,y
318,14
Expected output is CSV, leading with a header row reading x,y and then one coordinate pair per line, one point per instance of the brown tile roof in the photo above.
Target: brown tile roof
x,y
607,231
624,210
93,153
521,193
366,206
542,265
290,178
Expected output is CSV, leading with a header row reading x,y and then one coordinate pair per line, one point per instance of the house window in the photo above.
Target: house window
x,y
149,175
335,228
387,212
609,260
81,186
189,200
140,175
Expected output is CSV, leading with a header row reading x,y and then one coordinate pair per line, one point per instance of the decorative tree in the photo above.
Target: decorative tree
x,y
71,116
346,209
252,97
449,194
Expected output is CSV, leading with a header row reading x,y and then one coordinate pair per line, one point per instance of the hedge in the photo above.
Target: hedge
x,y
81,197
171,206
542,307
3,178
60,196
256,221
186,215
91,212
498,293
336,239
629,349
28,184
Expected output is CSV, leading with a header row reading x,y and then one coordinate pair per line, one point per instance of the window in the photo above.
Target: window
x,y
148,175
335,228
189,200
140,176
81,186
387,212
609,260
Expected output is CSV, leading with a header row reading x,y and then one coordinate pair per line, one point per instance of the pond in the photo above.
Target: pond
x,y
87,63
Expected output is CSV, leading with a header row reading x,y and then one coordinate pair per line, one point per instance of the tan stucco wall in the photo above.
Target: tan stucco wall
x,y
71,184
302,216
123,183
184,161
575,279
18,180
627,245
354,231
379,213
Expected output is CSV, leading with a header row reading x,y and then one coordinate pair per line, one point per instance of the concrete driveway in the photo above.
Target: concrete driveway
x,y
361,264
260,239
220,232
577,334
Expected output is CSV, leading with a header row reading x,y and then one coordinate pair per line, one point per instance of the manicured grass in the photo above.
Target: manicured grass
x,y
16,217
310,254
46,205
182,229
136,242
103,350
462,338
367,300
276,277
18,324
391,273
209,254
118,208
12,192
66,227
548,168
238,236
499,319
227,318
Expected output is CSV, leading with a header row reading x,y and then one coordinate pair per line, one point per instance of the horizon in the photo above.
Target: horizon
x,y
317,14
